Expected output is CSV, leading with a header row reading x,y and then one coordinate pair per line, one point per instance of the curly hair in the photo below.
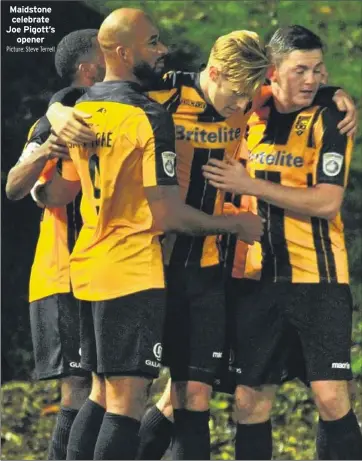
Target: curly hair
x,y
71,50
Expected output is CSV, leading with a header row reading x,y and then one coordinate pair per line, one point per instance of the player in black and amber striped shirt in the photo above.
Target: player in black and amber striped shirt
x,y
128,178
302,309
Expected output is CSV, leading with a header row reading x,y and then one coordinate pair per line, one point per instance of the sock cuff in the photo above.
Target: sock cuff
x,y
343,424
189,417
68,411
253,428
94,405
154,417
116,419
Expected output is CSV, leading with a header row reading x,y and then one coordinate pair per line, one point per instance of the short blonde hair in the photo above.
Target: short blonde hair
x,y
242,59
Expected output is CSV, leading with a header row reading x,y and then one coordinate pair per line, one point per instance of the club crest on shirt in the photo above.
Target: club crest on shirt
x,y
301,124
332,163
169,160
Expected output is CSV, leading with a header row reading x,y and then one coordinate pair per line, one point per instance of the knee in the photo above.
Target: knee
x,y
127,396
191,395
332,400
164,403
74,391
252,405
98,392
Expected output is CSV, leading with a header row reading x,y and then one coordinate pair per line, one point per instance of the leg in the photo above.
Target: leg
x,y
259,360
126,401
194,340
156,428
190,400
74,391
84,433
323,316
254,431
164,404
86,426
129,362
55,333
337,419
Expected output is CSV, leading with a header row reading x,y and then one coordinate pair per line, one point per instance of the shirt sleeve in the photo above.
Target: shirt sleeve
x,y
68,171
156,137
324,96
334,150
38,134
68,96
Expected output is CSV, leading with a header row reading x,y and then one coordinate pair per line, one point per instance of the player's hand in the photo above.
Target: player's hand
x,y
53,148
228,175
251,228
345,103
69,124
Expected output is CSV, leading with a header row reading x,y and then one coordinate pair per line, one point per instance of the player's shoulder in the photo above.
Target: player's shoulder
x,y
130,95
156,115
331,116
68,96
175,79
39,131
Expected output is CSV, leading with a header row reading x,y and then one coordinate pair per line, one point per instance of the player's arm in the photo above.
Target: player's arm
x,y
69,123
41,151
169,212
323,200
333,96
61,189
38,154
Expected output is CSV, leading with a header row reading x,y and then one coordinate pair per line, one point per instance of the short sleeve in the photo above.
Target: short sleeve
x,y
37,135
156,137
68,96
68,171
334,150
324,96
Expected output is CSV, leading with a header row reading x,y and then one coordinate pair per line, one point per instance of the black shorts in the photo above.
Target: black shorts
x,y
291,330
54,322
123,336
225,380
195,323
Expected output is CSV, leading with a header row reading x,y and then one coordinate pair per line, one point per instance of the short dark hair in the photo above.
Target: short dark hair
x,y
290,38
71,50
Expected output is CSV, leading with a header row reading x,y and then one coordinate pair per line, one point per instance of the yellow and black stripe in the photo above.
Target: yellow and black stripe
x,y
302,149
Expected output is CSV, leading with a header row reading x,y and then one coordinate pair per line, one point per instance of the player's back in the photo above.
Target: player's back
x,y
130,153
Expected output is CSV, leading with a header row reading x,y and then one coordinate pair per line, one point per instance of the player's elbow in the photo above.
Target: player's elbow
x,y
329,211
166,221
11,193
11,190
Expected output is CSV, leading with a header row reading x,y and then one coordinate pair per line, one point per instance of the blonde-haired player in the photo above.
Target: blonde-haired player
x,y
210,111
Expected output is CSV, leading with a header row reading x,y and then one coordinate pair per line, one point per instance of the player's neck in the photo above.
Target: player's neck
x,y
122,77
281,101
203,85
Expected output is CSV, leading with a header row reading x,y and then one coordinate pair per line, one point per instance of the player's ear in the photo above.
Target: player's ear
x,y
84,68
123,53
214,73
272,73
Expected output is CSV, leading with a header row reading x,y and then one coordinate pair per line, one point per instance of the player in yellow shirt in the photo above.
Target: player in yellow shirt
x,y
130,196
54,312
298,165
202,132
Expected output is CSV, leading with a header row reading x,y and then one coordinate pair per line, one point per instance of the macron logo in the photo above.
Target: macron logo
x,y
344,365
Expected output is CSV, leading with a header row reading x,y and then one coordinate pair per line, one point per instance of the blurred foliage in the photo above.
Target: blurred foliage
x,y
190,28
30,409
